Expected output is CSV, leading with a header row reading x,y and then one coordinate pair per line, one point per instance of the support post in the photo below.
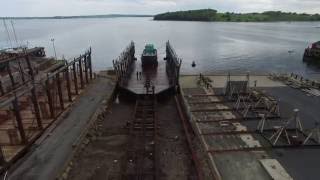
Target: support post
x,y
10,75
90,63
19,121
80,71
68,83
75,77
36,107
59,91
86,67
2,158
21,72
1,89
30,67
49,96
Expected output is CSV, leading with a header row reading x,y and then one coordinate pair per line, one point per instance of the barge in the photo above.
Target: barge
x,y
312,53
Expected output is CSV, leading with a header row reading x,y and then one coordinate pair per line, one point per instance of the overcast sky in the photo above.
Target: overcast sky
x,y
90,7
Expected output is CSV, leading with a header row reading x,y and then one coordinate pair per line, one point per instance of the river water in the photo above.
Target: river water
x,y
214,46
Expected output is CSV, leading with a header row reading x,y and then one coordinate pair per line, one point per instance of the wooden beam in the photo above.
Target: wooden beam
x,y
59,91
49,96
21,71
90,64
86,68
67,75
19,120
36,107
75,78
10,75
80,73
1,89
30,67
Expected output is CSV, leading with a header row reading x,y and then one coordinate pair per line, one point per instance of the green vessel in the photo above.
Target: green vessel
x,y
149,56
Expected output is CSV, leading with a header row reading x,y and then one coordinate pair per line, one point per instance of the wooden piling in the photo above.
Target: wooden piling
x,y
75,78
68,84
30,67
19,121
59,91
10,74
90,64
86,68
36,107
49,96
1,89
80,72
21,72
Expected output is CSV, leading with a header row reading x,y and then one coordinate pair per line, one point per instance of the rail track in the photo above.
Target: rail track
x,y
141,160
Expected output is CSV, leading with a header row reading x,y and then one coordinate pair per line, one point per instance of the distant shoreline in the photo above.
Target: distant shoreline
x,y
211,15
80,17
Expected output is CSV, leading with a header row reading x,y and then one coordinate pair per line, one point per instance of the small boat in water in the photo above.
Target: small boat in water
x,y
193,64
312,52
149,56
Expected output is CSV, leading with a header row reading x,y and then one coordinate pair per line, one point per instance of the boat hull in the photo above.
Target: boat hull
x,y
149,61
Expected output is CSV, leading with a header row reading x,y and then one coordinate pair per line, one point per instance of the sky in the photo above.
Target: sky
x,y
93,7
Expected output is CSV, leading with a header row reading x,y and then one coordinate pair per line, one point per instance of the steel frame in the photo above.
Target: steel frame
x,y
49,97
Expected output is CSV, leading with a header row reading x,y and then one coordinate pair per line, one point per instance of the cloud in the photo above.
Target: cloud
x,y
83,7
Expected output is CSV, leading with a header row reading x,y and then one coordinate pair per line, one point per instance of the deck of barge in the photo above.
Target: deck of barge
x,y
157,77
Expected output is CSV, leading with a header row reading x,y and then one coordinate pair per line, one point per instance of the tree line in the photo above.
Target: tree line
x,y
214,15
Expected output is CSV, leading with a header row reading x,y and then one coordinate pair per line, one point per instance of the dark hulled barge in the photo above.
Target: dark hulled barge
x,y
312,53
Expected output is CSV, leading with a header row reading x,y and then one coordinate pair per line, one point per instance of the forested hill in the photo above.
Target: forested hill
x,y
213,15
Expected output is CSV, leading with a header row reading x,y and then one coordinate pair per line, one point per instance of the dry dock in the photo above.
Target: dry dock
x,y
134,123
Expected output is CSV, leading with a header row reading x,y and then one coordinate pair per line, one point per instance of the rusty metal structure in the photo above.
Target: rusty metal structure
x,y
34,105
16,65
173,65
123,64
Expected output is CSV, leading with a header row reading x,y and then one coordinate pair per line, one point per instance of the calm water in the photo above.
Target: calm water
x,y
215,46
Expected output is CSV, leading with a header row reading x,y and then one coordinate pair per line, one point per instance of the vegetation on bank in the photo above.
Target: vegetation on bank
x,y
213,15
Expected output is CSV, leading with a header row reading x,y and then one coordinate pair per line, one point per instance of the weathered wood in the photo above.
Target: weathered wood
x,y
21,72
68,84
75,78
86,68
80,73
2,159
36,107
59,91
10,75
30,67
19,121
49,96
1,89
90,64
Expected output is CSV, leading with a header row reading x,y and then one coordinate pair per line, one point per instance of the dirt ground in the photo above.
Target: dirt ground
x,y
103,150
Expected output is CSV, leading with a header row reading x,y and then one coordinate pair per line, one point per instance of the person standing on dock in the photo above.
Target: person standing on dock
x,y
140,74
137,75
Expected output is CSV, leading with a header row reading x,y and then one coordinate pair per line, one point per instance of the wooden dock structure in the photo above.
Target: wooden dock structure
x,y
29,107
